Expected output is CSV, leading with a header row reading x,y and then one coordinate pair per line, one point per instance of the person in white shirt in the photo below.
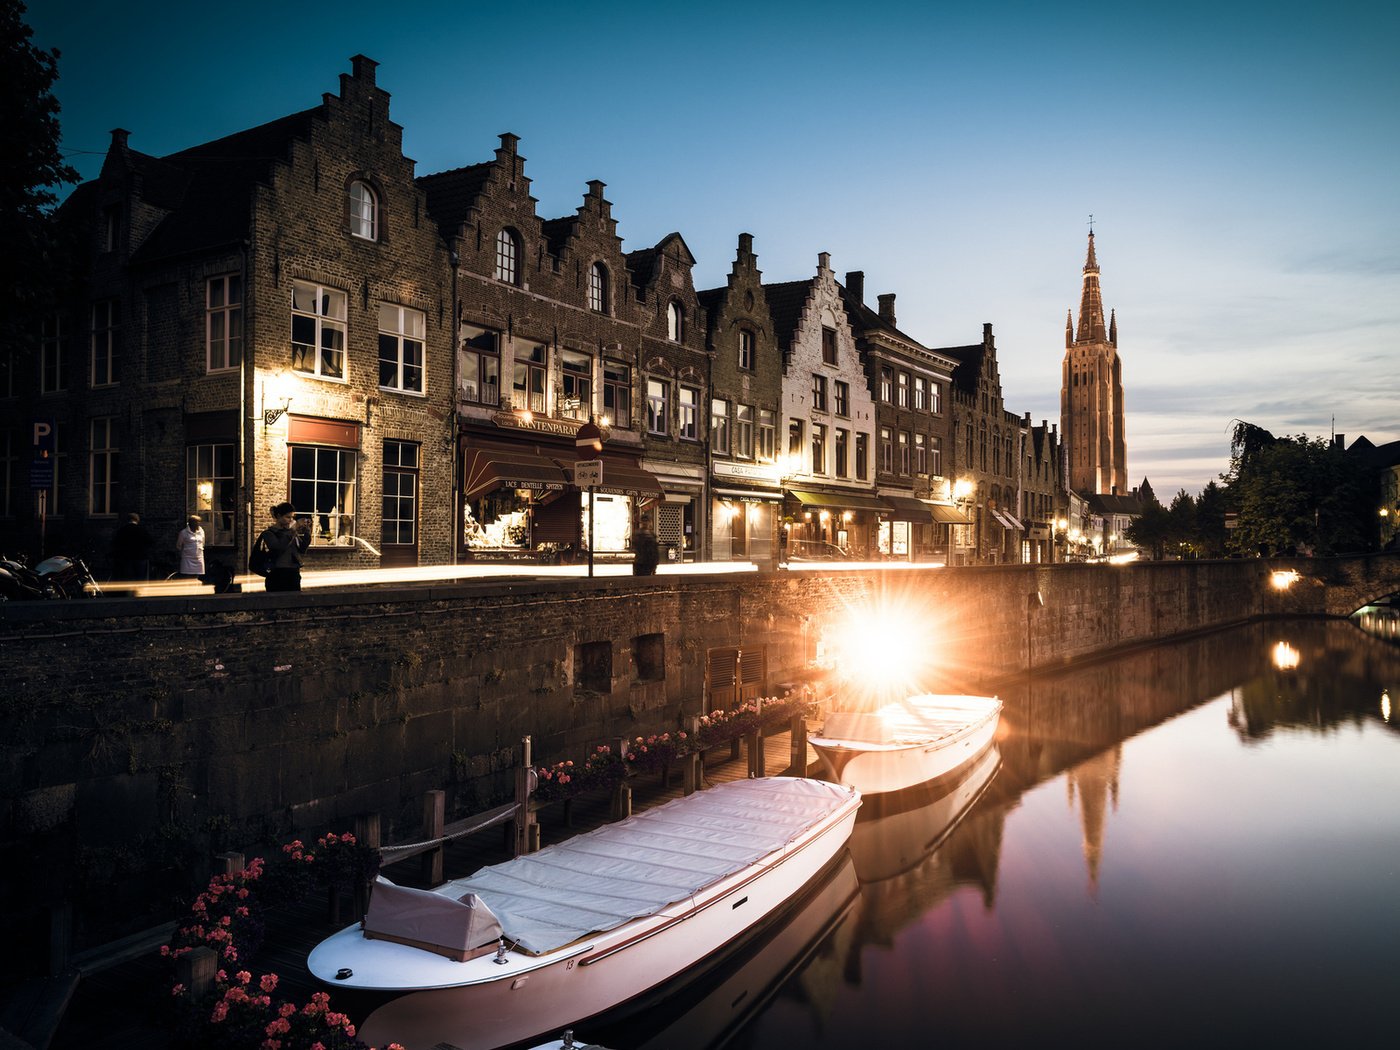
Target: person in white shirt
x,y
190,546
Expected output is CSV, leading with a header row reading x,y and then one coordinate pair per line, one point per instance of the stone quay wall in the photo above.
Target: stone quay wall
x,y
138,734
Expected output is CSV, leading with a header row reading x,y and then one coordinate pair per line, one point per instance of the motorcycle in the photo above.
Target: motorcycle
x,y
56,577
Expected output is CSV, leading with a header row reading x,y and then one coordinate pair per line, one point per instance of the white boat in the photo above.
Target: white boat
x,y
907,741
589,923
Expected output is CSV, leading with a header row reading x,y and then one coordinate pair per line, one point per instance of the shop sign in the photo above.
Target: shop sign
x,y
749,471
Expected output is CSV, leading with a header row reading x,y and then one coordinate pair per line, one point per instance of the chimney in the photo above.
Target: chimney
x,y
855,285
887,307
119,136
823,261
362,68
509,142
745,244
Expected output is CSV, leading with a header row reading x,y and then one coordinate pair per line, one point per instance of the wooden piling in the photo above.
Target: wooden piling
x,y
520,844
366,834
230,863
434,820
197,970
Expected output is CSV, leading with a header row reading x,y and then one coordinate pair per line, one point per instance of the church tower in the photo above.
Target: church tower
x,y
1091,395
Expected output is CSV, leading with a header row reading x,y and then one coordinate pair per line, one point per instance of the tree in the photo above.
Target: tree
x,y
1181,532
1148,531
1211,534
31,168
1300,495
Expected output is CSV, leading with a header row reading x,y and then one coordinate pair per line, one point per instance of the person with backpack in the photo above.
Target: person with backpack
x,y
278,550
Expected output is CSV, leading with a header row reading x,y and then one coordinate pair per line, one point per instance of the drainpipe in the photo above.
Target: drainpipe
x,y
454,261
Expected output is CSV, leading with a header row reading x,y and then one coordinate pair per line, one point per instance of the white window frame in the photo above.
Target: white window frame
x,y
819,401
102,467
842,398
743,431
598,288
658,397
719,426
481,359
767,434
841,464
746,349
364,211
507,266
921,393
689,405
818,448
106,342
402,339
576,384
326,317
51,354
223,323
675,321
617,393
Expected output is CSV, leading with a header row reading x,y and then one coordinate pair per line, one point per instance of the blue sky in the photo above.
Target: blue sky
x,y
1240,160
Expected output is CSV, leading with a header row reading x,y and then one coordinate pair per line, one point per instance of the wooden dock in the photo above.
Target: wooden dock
x,y
119,1006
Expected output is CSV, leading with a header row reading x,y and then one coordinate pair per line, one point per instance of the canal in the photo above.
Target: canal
x,y
1190,845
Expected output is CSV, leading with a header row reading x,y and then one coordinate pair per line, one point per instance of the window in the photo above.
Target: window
x,y
921,393
7,371
886,450
323,489
658,394
746,347
223,323
818,448
530,377
617,393
902,399
767,434
886,384
795,432
106,341
719,426
675,322
935,403
111,227
920,454
400,348
690,413
102,468
507,257
364,212
481,365
400,494
829,346
743,431
649,654
843,440
51,355
903,440
9,472
577,368
598,288
843,398
318,331
819,393
211,490
862,456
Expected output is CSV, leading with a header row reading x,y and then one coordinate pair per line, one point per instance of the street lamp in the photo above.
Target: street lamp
x,y
1057,526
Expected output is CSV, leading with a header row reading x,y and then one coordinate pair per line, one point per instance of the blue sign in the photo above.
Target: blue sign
x,y
41,475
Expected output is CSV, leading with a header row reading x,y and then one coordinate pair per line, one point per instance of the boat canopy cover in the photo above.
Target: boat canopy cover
x,y
636,867
912,720
455,924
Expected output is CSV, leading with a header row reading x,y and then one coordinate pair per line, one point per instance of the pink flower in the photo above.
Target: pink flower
x,y
178,990
268,982
278,1027
287,1010
219,1013
243,976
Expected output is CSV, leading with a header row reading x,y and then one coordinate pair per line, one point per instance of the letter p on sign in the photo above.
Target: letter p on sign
x,y
43,435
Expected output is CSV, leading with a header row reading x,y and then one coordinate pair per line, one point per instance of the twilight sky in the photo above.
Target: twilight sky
x,y
1241,162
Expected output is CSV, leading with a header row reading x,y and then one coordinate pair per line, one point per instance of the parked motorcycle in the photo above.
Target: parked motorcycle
x,y
56,577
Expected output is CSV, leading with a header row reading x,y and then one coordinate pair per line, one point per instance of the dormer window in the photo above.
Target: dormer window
x,y
364,212
598,288
507,257
675,322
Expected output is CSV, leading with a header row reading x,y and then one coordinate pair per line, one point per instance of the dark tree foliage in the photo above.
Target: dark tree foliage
x,y
1149,530
1211,534
31,168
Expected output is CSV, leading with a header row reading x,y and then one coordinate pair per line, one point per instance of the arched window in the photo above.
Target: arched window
x,y
364,211
598,288
507,257
675,322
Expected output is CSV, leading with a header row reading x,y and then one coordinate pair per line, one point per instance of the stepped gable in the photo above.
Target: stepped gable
x,y
452,194
786,301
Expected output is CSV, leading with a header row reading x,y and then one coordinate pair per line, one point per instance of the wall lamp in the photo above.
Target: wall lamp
x,y
272,415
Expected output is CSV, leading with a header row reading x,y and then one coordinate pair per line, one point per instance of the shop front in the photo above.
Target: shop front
x,y
827,524
745,513
504,491
905,531
678,515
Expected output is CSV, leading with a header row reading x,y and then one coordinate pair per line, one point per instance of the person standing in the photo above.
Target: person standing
x,y
131,550
189,545
280,547
645,551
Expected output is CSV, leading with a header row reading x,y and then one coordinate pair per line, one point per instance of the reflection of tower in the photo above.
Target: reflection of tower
x,y
1091,395
1096,782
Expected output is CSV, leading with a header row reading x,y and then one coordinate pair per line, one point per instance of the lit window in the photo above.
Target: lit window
x,y
921,393
903,395
689,413
719,426
399,517
481,365
598,288
577,368
223,323
400,348
507,257
743,431
530,377
904,452
935,403
211,490
658,394
886,384
767,434
795,432
102,468
323,489
106,342
886,450
675,322
318,331
364,212
920,454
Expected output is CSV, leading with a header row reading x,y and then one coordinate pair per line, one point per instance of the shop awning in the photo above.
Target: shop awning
x,y
947,514
907,508
1012,520
838,500
485,469
1007,521
752,495
621,479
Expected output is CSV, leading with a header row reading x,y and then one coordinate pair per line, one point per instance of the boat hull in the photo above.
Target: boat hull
x,y
878,767
528,997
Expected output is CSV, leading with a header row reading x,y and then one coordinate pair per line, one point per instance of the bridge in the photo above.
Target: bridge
x,y
1337,586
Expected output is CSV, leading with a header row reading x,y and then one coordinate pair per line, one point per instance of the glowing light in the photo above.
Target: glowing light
x,y
604,422
1385,705
826,515
1285,656
878,651
1284,579
527,416
963,489
1123,559
846,515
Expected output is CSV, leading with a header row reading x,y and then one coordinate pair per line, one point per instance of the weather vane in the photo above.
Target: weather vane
x,y
1091,222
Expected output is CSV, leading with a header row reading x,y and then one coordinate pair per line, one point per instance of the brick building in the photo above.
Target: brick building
x,y
259,318
1091,394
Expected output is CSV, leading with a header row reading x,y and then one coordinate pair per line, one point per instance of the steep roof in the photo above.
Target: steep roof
x,y
452,194
785,303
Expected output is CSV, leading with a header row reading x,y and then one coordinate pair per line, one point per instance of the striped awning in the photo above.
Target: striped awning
x,y
486,469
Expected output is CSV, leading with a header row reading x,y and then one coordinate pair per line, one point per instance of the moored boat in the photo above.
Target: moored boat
x,y
907,741
591,922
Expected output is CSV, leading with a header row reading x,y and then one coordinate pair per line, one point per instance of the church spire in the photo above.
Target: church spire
x,y
1091,326
1069,329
